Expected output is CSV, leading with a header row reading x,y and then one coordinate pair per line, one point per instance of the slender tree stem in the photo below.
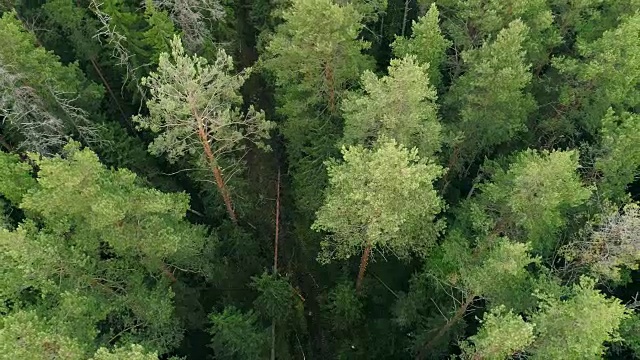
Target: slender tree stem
x,y
363,267
456,317
328,73
275,247
275,263
96,67
404,18
217,174
5,144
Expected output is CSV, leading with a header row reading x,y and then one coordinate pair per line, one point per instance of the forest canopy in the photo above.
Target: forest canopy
x,y
319,179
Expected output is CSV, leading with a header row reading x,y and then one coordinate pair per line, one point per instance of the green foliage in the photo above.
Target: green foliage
x,y
619,157
236,335
586,20
630,332
426,43
344,306
382,198
98,248
313,56
16,179
132,352
576,328
276,299
41,69
96,265
76,24
399,106
491,96
41,100
194,102
136,38
514,285
485,19
606,75
23,335
528,202
503,334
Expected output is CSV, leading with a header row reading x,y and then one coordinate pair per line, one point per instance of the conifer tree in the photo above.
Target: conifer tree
x,y
193,107
606,76
24,335
469,23
574,328
314,56
503,334
379,200
42,101
491,96
236,335
529,201
577,327
399,106
99,251
427,43
619,156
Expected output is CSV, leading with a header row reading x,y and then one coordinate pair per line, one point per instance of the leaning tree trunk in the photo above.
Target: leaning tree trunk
x,y
215,169
363,266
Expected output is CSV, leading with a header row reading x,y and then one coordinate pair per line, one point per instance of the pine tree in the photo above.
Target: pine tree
x,y
399,106
42,101
24,335
573,328
529,201
576,328
469,23
427,43
98,250
314,56
236,335
607,75
491,96
502,335
619,157
379,200
194,109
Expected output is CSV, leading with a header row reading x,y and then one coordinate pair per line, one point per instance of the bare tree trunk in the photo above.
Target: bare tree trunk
x,y
404,18
328,73
96,67
275,248
275,263
5,144
456,317
215,169
363,267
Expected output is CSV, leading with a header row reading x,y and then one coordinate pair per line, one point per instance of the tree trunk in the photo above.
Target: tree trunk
x,y
275,263
328,73
363,267
96,67
5,144
404,18
215,169
456,317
